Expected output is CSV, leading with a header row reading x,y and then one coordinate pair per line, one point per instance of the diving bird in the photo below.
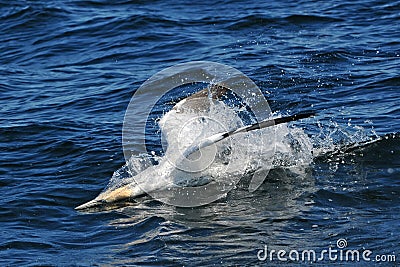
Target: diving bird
x,y
197,102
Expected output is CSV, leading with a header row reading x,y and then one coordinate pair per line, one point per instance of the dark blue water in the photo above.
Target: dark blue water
x,y
69,68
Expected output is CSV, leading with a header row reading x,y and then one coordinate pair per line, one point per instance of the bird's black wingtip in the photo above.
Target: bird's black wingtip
x,y
304,115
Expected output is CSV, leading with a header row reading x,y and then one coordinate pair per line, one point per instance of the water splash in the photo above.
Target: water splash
x,y
332,136
230,159
283,146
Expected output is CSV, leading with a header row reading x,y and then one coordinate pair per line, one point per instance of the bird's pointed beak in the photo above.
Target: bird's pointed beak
x,y
90,204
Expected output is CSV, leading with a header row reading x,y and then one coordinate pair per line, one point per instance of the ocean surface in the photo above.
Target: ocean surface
x,y
68,70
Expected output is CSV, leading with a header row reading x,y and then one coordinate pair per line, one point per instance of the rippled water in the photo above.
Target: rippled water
x,y
69,68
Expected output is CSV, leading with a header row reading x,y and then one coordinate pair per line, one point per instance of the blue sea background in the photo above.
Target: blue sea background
x,y
68,70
